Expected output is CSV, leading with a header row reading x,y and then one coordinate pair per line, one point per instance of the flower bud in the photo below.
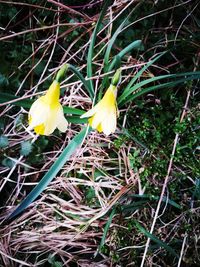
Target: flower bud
x,y
116,77
61,73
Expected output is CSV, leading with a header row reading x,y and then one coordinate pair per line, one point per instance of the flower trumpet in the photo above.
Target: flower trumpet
x,y
46,113
103,116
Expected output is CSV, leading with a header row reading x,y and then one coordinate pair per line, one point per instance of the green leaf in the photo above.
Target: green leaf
x,y
3,141
74,111
76,119
53,171
111,42
152,197
82,79
8,163
171,84
109,47
134,45
26,148
115,63
92,42
3,81
155,239
57,264
4,98
106,228
126,91
196,192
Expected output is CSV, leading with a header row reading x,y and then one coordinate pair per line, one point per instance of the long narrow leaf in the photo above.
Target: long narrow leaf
x,y
160,86
76,119
134,45
126,90
152,197
4,98
112,40
109,48
155,239
113,64
92,42
80,76
106,228
130,90
53,171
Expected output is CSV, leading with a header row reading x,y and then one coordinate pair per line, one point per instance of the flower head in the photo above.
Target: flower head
x,y
46,113
103,116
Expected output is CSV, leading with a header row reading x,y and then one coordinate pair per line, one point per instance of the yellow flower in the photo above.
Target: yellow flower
x,y
104,114
46,113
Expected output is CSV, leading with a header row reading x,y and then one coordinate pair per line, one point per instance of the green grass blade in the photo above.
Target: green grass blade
x,y
92,42
82,79
109,48
74,111
134,45
26,103
76,119
127,89
152,197
112,41
159,86
130,90
130,208
196,193
155,239
53,171
106,228
114,64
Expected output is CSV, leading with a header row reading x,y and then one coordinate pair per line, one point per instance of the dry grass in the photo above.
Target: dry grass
x,y
67,222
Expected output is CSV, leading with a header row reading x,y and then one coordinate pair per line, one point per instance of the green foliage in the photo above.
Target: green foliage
x,y
3,141
150,113
26,148
55,168
9,163
54,262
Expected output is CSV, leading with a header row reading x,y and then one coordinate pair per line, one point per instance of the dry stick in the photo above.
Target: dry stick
x,y
26,4
154,14
69,9
188,15
15,165
42,28
54,26
52,52
182,250
22,263
166,180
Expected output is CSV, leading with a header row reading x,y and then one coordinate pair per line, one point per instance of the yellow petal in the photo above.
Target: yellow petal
x,y
53,94
40,129
51,121
99,128
109,125
104,114
90,112
46,113
61,121
38,112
